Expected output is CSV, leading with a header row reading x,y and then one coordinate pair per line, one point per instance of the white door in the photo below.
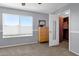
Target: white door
x,y
53,30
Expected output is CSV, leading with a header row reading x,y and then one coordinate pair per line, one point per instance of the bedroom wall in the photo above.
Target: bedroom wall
x,y
22,40
74,26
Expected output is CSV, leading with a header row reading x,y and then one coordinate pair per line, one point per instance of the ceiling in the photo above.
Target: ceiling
x,y
35,7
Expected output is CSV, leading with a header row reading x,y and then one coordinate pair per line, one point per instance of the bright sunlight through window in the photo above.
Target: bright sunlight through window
x,y
17,25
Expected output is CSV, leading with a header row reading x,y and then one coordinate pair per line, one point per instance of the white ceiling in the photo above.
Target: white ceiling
x,y
35,7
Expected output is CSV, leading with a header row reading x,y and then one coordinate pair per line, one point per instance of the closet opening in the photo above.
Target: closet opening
x,y
64,31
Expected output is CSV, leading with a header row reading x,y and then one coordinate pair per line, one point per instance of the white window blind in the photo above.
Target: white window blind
x,y
26,27
17,25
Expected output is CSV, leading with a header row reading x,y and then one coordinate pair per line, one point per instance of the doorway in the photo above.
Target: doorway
x,y
64,31
63,28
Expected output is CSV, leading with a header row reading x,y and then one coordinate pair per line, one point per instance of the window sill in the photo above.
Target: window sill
x,y
13,36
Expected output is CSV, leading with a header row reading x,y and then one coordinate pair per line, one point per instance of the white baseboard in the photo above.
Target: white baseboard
x,y
17,44
74,52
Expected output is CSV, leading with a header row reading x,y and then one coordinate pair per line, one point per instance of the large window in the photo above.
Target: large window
x,y
17,25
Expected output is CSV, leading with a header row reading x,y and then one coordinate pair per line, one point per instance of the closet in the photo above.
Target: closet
x,y
63,28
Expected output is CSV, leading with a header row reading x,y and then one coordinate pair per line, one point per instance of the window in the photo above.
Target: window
x,y
26,26
17,25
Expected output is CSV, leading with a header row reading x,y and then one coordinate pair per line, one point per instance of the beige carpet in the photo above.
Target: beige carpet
x,y
37,50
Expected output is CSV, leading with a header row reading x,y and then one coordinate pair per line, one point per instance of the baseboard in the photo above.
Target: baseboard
x,y
74,52
17,44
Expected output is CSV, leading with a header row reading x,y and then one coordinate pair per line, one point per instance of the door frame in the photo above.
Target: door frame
x,y
59,14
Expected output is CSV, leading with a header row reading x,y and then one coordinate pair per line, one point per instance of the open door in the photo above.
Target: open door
x,y
53,30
